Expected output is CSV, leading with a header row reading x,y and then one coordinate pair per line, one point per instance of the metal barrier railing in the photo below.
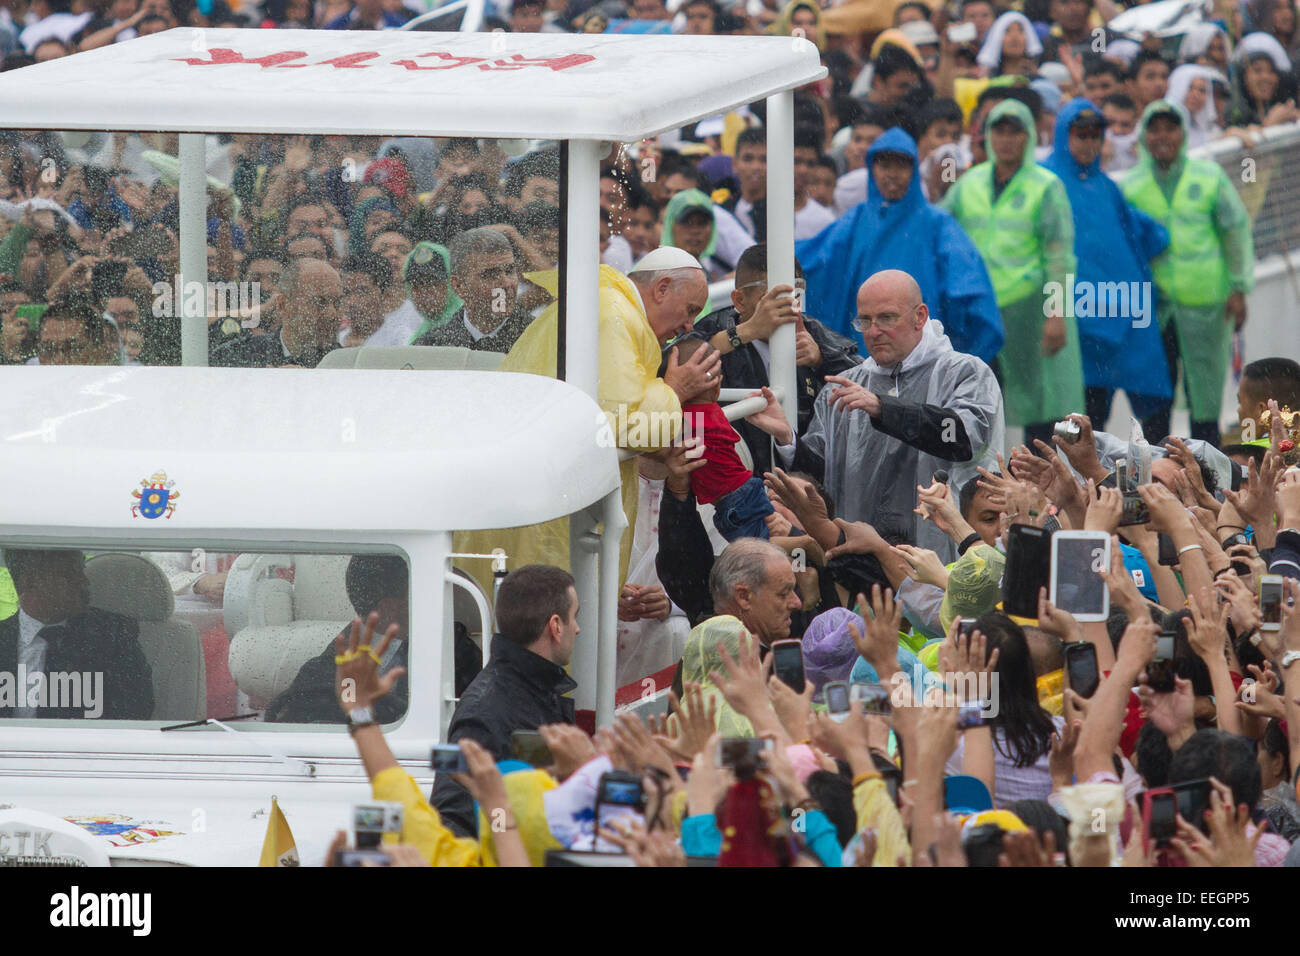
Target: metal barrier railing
x,y
1267,176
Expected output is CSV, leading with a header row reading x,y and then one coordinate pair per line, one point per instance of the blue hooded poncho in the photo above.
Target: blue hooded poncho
x,y
1113,243
922,240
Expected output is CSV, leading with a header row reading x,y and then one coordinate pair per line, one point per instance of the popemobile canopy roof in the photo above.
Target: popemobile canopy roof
x,y
330,450
526,86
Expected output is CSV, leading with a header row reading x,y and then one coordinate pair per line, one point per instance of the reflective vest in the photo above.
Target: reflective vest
x,y
1191,271
1005,232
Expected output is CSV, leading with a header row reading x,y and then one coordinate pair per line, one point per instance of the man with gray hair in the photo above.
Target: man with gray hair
x,y
485,275
753,580
309,299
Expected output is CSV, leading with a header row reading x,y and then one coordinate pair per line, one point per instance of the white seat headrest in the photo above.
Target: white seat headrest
x,y
131,585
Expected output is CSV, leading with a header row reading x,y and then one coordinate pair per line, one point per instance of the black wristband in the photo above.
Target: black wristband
x,y
968,543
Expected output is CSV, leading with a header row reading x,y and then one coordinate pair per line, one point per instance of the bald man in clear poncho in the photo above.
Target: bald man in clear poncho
x,y
914,407
639,313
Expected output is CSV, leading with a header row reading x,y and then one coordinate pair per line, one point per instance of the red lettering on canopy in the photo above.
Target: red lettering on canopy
x,y
221,56
519,61
460,61
355,61
351,61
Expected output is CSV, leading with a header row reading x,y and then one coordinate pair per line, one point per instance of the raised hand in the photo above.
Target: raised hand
x,y
357,680
879,645
687,730
743,686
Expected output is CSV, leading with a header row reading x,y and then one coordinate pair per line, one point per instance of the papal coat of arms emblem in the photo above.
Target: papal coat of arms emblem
x,y
154,498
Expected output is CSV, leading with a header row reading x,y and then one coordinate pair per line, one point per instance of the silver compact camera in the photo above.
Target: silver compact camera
x,y
1068,431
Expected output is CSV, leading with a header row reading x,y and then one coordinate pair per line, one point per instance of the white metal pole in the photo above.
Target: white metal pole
x,y
606,674
194,248
584,547
780,240
582,276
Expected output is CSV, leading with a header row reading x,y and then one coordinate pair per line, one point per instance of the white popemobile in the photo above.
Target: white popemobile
x,y
286,474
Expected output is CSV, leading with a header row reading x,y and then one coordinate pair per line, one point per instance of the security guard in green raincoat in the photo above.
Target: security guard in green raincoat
x,y
1018,215
1209,266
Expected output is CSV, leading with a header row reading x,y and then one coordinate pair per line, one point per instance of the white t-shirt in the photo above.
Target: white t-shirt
x,y
850,189
811,219
733,238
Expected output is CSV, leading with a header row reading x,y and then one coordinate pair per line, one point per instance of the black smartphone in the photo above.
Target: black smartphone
x,y
621,789
965,625
1028,569
1081,667
893,778
529,747
1239,568
448,758
1159,816
1168,556
1193,801
106,278
1160,672
787,664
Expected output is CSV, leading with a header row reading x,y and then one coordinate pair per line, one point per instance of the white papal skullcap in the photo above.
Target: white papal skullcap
x,y
666,257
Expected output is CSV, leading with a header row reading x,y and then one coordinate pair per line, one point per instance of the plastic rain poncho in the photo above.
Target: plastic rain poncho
x,y
1114,243
873,476
1037,388
629,392
920,239
1204,333
701,658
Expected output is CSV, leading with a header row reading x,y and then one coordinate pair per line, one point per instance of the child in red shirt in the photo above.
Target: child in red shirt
x,y
740,502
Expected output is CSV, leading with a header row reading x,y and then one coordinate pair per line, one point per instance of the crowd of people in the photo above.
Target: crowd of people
x,y
966,179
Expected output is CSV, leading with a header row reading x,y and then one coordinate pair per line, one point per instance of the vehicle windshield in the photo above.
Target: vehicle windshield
x,y
315,245
91,636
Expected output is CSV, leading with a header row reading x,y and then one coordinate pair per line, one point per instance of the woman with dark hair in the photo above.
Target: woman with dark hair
x,y
1022,729
1011,48
1278,800
1264,86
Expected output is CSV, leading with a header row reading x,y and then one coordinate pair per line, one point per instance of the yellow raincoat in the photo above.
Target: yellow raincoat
x,y
643,414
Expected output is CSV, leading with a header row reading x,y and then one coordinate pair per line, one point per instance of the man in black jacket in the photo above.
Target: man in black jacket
x,y
379,583
523,685
58,635
741,332
311,299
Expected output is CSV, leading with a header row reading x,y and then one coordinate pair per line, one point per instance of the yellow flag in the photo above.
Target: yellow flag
x,y
278,849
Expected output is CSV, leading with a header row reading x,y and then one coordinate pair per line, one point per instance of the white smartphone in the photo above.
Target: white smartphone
x,y
1270,602
836,693
1076,586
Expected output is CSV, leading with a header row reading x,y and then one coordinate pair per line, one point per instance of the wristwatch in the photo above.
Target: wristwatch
x,y
734,338
1289,658
360,717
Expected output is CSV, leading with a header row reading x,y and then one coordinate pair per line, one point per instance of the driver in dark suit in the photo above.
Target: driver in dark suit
x,y
56,631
